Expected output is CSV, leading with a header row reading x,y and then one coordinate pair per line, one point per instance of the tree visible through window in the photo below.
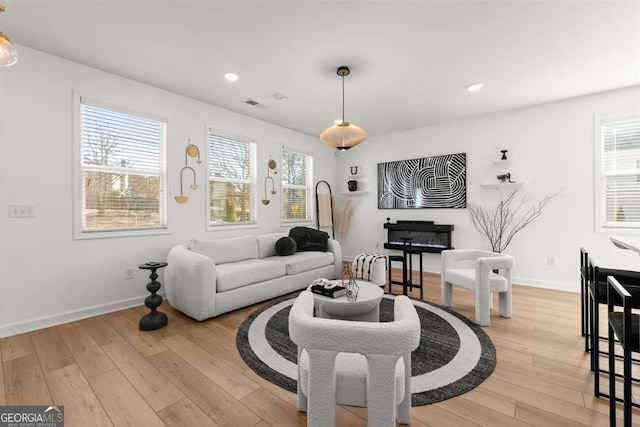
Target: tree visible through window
x,y
231,181
296,186
619,174
123,170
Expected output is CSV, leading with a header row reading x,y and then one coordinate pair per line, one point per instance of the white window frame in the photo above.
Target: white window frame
x,y
77,170
601,226
310,220
253,181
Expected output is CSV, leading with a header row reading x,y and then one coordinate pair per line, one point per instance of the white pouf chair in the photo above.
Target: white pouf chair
x,y
473,270
365,364
370,267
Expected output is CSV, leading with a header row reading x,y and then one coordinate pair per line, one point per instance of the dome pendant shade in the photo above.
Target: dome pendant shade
x,y
343,136
8,54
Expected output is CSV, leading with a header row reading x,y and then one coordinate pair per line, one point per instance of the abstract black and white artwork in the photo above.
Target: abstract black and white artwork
x,y
429,182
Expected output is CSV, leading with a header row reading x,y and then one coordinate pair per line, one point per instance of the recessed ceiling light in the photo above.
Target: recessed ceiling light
x,y
474,87
232,77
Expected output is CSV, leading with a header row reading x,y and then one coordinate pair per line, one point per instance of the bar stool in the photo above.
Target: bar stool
x,y
407,267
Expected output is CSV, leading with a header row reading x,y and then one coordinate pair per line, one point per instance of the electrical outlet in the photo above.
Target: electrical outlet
x,y
551,260
17,210
128,273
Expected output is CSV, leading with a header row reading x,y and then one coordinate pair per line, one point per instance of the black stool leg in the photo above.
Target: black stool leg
x,y
612,380
595,346
404,273
627,384
389,275
421,279
587,319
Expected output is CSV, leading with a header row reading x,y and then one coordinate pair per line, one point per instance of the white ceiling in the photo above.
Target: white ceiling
x,y
410,61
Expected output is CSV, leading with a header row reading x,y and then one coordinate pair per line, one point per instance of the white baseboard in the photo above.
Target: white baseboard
x,y
70,316
567,287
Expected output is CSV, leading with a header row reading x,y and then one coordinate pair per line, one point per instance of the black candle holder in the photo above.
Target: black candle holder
x,y
154,319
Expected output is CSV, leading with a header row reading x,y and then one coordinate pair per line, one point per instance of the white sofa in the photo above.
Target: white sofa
x,y
206,278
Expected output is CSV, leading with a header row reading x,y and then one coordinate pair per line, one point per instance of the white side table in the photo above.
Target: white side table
x,y
366,308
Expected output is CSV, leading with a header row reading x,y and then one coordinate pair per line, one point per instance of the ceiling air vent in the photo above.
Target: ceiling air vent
x,y
251,102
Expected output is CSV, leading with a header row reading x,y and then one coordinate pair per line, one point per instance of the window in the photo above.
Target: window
x,y
122,169
232,182
297,169
618,173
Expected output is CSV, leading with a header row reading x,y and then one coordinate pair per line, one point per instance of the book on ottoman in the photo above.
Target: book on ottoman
x,y
327,289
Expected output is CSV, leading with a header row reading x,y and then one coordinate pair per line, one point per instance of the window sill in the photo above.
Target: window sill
x,y
225,227
302,223
118,234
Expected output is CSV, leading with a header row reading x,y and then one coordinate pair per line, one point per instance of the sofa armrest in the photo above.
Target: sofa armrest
x,y
336,249
190,282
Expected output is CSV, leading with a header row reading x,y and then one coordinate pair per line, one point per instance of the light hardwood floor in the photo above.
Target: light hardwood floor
x,y
106,372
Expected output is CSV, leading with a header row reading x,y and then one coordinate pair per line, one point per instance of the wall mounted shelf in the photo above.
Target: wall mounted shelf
x,y
354,193
507,162
503,185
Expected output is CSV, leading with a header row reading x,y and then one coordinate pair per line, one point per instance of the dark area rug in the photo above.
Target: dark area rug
x,y
454,356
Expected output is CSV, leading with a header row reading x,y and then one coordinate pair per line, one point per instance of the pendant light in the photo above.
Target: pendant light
x,y
343,135
8,54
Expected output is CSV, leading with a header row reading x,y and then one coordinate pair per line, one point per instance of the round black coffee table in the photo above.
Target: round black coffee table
x,y
154,319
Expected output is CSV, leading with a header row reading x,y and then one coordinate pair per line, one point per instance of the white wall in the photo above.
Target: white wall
x,y
46,277
553,145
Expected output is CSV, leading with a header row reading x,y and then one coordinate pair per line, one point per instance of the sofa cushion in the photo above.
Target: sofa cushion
x,y
309,239
305,261
235,275
286,246
227,250
267,244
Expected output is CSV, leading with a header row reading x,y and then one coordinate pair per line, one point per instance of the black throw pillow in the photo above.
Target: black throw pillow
x,y
309,239
286,246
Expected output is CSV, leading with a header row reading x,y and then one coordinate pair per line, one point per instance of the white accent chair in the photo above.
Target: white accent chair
x,y
473,270
365,364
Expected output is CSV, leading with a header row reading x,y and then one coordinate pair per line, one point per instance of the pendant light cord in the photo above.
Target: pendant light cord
x,y
342,99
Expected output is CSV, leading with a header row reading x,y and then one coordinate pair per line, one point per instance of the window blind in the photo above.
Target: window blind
x,y
231,180
123,170
620,163
296,187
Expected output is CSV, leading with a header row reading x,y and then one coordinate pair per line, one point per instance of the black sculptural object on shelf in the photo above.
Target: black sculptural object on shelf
x,y
506,178
504,154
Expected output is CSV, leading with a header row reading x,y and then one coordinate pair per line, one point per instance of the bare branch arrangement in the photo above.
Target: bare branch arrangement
x,y
503,222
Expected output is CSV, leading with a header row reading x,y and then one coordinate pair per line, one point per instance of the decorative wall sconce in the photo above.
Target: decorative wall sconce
x,y
190,151
271,166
